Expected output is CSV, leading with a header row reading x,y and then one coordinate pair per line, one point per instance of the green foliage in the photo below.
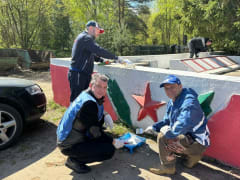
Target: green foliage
x,y
62,53
215,19
53,24
164,23
123,26
21,21
121,40
62,28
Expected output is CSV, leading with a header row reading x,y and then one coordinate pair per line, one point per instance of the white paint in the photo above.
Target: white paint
x,y
64,62
210,62
203,64
189,65
225,61
193,65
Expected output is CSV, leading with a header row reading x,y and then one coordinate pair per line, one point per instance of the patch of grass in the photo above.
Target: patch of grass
x,y
120,128
53,106
54,112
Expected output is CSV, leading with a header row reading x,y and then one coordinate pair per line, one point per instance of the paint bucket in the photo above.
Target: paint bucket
x,y
139,131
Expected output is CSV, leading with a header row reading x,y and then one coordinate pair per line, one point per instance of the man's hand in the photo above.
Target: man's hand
x,y
123,61
119,60
150,130
165,129
108,121
95,131
175,146
118,143
127,61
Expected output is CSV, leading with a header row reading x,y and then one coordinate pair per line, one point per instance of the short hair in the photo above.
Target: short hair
x,y
98,76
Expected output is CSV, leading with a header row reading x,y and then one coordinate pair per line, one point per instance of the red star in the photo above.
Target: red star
x,y
148,106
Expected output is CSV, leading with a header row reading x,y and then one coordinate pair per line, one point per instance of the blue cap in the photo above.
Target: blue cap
x,y
170,79
94,24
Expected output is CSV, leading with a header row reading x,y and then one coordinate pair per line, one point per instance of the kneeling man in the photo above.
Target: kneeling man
x,y
80,134
183,129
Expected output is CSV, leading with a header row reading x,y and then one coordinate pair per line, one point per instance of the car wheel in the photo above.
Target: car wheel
x,y
11,125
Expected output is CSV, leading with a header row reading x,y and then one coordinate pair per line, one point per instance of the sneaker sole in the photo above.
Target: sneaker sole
x,y
77,171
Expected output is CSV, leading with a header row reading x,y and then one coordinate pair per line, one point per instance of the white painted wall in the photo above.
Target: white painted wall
x,y
133,81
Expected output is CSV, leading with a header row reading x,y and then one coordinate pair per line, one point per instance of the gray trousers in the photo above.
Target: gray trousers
x,y
168,158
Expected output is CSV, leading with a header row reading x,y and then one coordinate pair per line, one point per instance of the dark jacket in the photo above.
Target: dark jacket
x,y
85,51
86,118
198,44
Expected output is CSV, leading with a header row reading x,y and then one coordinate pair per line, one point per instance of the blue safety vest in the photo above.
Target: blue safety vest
x,y
66,123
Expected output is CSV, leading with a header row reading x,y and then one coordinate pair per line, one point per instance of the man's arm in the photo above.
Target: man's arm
x,y
165,121
99,51
98,59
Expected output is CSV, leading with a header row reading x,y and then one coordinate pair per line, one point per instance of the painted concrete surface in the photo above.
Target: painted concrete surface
x,y
211,64
224,126
235,58
134,81
163,60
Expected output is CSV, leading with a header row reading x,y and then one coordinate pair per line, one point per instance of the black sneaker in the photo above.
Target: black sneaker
x,y
77,167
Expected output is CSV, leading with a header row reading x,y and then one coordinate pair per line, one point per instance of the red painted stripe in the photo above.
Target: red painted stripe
x,y
224,61
210,64
199,65
190,65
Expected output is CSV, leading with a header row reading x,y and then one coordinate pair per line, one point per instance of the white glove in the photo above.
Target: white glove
x,y
123,61
165,129
127,61
119,60
150,130
118,143
108,121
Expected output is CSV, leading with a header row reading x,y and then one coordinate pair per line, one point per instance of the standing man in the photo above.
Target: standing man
x,y
80,134
198,44
183,130
84,52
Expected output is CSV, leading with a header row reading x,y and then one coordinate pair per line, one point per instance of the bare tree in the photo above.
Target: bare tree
x,y
21,21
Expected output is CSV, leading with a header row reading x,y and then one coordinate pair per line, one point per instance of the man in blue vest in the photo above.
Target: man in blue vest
x,y
80,134
183,129
84,52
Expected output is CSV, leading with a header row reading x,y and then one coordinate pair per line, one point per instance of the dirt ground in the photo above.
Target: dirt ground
x,y
35,156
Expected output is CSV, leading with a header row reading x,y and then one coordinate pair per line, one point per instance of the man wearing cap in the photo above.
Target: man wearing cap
x,y
198,44
183,129
84,52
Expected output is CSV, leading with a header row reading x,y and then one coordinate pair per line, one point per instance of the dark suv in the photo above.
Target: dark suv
x,y
21,102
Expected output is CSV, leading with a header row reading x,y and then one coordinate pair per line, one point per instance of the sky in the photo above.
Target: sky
x,y
150,4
